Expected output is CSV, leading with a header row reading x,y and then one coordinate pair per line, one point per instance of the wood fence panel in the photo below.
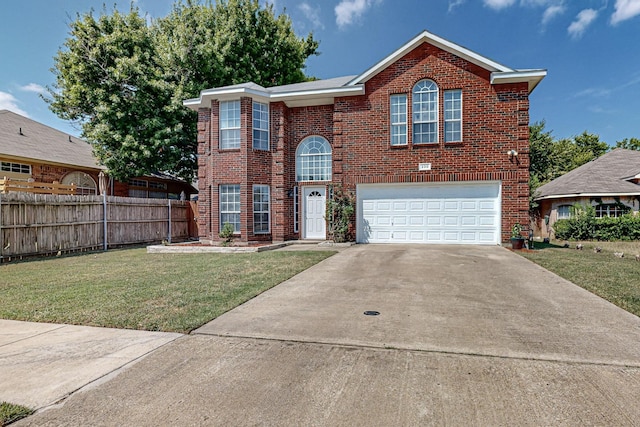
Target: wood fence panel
x,y
32,224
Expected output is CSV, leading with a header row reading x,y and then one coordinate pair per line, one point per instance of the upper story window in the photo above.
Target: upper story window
x,y
229,124
425,112
452,115
260,126
313,160
15,167
399,119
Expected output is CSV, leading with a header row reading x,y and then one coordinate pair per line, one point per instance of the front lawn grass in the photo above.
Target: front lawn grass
x,y
614,279
132,289
10,413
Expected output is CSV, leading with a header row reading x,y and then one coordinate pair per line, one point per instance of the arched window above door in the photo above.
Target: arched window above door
x,y
313,159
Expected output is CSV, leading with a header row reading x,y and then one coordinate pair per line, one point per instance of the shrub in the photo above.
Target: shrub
x,y
340,210
227,233
583,225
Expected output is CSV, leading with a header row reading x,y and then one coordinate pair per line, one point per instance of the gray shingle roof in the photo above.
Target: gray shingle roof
x,y
42,143
608,174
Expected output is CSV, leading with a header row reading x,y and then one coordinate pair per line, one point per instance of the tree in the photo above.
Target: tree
x,y
124,80
629,144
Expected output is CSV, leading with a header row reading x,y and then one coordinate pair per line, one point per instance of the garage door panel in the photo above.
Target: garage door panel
x,y
419,213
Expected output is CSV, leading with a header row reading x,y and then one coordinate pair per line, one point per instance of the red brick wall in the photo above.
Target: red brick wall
x,y
495,120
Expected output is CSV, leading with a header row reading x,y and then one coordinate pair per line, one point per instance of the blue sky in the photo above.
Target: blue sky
x,y
591,49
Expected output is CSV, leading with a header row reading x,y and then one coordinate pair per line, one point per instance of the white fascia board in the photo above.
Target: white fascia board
x,y
319,93
446,45
296,98
533,77
568,196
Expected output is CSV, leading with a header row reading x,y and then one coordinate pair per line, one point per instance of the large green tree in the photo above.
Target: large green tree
x,y
629,144
123,79
551,158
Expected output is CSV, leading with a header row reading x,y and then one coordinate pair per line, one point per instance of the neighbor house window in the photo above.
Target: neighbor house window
x,y
261,209
138,188
85,184
260,126
230,206
425,112
610,210
229,124
564,212
399,119
313,160
452,115
155,194
15,167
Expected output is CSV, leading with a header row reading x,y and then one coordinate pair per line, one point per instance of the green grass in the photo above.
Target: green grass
x,y
10,413
614,279
134,290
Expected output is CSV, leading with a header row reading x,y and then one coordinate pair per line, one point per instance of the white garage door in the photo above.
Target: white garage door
x,y
466,213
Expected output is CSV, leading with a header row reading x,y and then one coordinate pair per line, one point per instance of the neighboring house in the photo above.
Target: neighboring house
x,y
610,183
32,151
432,141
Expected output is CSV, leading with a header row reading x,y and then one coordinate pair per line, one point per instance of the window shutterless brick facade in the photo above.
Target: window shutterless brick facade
x,y
482,113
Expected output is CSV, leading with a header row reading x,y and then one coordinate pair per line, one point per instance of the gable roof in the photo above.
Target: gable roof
x,y
608,175
322,92
24,139
499,73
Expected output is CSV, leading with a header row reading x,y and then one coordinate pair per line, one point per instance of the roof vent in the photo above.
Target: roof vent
x,y
20,132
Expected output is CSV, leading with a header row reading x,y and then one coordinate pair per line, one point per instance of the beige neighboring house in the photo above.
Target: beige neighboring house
x,y
610,183
32,151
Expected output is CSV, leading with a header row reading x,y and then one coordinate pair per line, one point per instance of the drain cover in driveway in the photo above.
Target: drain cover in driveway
x,y
371,313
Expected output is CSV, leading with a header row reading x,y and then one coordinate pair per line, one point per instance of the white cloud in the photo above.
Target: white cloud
x,y
312,14
9,102
455,3
582,22
551,12
625,9
498,4
347,11
33,87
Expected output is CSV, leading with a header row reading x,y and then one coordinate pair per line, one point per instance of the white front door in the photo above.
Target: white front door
x,y
315,226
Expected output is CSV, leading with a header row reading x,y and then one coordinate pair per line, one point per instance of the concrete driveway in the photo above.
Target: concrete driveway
x,y
465,336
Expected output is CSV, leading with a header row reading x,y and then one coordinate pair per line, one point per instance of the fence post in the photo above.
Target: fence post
x,y
169,238
104,219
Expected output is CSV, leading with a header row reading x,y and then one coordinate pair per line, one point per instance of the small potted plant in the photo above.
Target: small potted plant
x,y
517,241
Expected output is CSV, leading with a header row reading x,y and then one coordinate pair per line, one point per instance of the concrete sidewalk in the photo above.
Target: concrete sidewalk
x,y
42,364
465,336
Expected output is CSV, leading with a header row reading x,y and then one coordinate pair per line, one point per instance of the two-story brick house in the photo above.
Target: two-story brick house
x,y
432,141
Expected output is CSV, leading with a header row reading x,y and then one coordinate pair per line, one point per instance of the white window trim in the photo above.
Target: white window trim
x,y
296,210
233,212
417,111
267,211
263,125
323,162
15,168
224,143
399,125
458,120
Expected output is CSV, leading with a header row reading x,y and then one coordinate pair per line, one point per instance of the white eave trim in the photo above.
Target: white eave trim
x,y
294,98
568,196
446,45
533,77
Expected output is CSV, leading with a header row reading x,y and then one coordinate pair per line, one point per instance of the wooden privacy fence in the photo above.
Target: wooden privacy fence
x,y
36,224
